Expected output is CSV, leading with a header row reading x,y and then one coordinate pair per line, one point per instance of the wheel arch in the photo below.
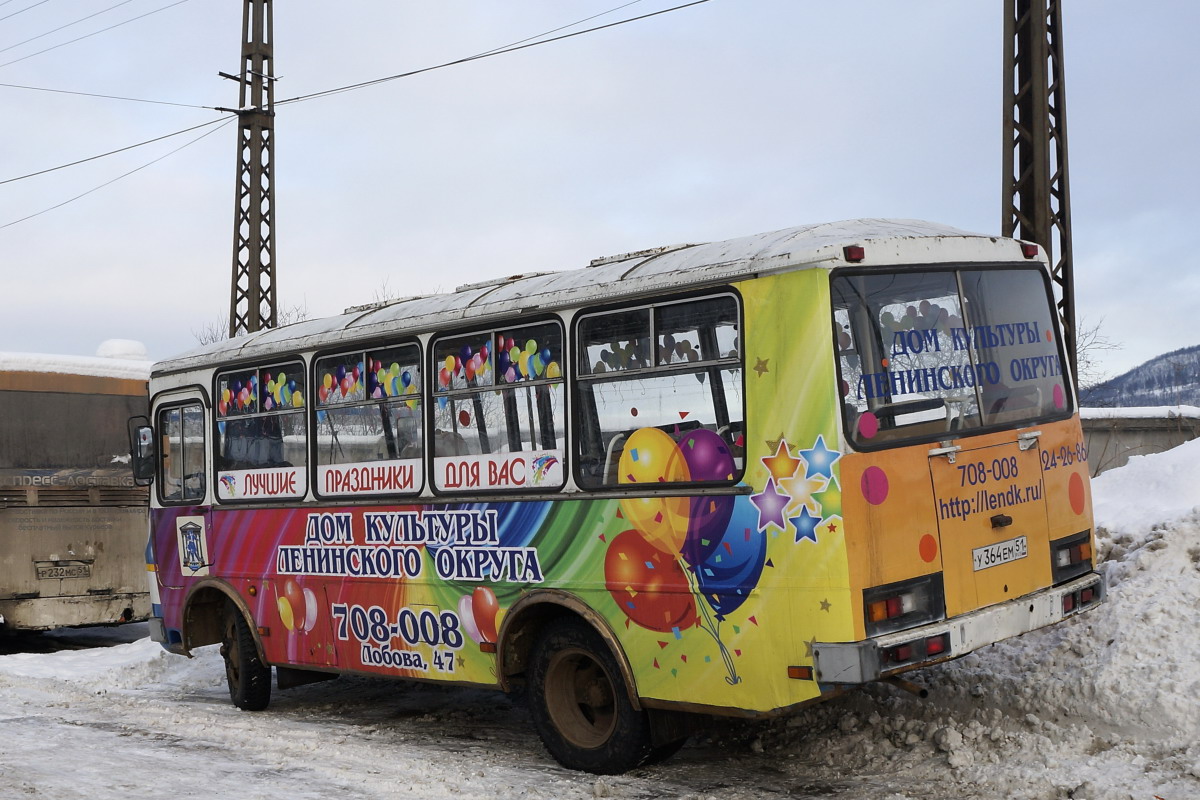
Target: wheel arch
x,y
528,616
204,610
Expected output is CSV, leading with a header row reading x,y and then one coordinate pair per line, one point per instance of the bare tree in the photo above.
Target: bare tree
x,y
218,330
1091,346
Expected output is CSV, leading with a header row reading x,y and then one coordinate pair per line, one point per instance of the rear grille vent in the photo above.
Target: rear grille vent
x,y
11,496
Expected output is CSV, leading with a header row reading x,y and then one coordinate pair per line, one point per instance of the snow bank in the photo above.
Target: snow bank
x,y
1103,707
1150,490
1140,412
125,349
97,366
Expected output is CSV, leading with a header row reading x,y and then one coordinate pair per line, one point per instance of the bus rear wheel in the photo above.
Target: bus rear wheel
x,y
248,677
580,704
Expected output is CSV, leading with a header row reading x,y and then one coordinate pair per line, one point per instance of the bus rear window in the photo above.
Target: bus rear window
x,y
926,354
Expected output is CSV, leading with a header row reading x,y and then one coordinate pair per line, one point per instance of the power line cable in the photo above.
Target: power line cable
x,y
102,96
562,27
478,56
62,27
23,10
498,51
119,150
94,33
193,105
119,177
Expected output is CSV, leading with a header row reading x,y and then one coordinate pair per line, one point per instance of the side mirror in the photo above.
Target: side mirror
x,y
142,451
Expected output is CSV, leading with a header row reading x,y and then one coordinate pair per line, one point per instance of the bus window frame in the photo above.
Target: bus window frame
x,y
200,400
1069,409
314,407
431,398
283,359
682,488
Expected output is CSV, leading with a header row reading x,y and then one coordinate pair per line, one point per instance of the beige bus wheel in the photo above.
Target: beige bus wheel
x,y
249,679
580,705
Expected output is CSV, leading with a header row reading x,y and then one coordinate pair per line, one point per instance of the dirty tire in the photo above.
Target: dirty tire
x,y
580,705
249,679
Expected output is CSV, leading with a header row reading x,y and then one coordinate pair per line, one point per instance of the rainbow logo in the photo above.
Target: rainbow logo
x,y
541,466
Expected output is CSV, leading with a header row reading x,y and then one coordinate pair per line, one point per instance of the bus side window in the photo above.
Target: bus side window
x,y
368,408
261,419
497,392
692,391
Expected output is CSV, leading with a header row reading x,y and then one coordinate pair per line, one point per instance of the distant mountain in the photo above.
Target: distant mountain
x,y
1166,380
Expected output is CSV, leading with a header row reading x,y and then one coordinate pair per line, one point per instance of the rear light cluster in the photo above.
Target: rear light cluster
x,y
914,651
1082,598
1071,556
906,604
892,607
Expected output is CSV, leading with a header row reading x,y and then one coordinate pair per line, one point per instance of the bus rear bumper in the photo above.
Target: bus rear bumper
x,y
871,659
73,611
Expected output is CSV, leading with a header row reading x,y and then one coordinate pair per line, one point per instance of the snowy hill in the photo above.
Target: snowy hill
x,y
1170,379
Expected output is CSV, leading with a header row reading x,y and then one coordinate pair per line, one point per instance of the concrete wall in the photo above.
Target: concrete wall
x,y
1113,435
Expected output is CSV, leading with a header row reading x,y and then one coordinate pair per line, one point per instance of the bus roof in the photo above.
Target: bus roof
x,y
625,276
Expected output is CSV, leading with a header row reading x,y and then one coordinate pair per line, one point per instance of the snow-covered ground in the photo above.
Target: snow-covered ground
x,y
1104,706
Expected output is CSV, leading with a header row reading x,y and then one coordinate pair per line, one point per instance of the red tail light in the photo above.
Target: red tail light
x,y
1071,556
904,605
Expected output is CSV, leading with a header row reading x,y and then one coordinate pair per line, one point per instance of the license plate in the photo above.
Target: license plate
x,y
57,571
1000,553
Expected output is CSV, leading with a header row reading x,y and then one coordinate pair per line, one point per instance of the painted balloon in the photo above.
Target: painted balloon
x,y
651,457
310,610
294,595
467,615
708,459
739,544
648,585
486,608
286,615
732,568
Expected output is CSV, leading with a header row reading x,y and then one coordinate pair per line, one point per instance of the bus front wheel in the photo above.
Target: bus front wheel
x,y
580,705
249,679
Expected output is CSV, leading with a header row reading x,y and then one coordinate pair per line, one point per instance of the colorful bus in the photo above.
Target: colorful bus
x,y
72,521
718,479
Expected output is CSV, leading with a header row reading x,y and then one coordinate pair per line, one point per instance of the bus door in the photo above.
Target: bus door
x,y
181,519
992,520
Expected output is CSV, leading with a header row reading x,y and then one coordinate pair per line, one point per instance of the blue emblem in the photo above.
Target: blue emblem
x,y
190,544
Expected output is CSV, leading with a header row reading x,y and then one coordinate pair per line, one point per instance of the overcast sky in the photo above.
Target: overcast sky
x,y
725,119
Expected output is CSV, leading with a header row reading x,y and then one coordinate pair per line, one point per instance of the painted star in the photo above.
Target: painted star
x,y
806,525
820,459
783,464
830,499
770,504
761,366
825,605
809,646
773,444
803,492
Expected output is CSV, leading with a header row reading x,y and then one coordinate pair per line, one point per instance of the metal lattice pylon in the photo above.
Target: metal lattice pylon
x,y
252,297
1037,200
